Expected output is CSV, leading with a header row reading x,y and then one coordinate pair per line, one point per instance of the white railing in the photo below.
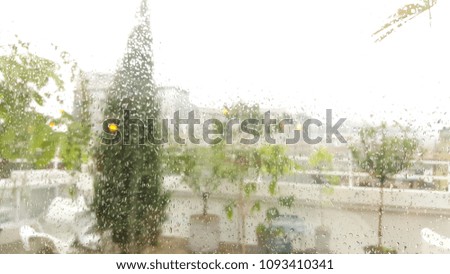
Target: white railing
x,y
352,175
350,212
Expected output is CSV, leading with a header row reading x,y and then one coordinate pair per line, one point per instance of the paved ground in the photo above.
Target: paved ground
x,y
172,245
167,245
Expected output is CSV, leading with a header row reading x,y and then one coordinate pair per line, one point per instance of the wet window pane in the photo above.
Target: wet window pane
x,y
224,127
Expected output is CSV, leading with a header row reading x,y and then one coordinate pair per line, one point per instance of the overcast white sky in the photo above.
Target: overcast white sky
x,y
309,55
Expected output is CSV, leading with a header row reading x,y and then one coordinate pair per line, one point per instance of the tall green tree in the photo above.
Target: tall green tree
x,y
129,198
384,155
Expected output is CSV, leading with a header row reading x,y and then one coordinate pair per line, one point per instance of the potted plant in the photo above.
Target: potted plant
x,y
240,169
197,167
322,160
241,166
383,154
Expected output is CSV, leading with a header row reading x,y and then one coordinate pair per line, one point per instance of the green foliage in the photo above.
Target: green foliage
x,y
237,163
333,180
72,191
243,165
272,213
256,206
204,168
24,78
286,201
249,188
30,139
327,190
229,210
383,155
403,16
198,166
174,160
262,234
74,146
275,163
75,143
261,230
242,111
129,197
322,160
374,249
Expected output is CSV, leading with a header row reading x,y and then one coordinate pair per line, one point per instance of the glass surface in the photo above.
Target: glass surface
x,y
224,126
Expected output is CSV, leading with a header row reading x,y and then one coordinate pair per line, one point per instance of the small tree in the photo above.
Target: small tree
x,y
240,168
321,160
25,78
383,155
275,163
197,166
242,165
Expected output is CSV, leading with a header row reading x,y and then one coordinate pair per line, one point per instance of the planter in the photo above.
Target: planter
x,y
322,239
204,234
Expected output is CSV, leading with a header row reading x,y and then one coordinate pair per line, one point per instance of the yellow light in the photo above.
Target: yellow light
x,y
113,128
225,111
